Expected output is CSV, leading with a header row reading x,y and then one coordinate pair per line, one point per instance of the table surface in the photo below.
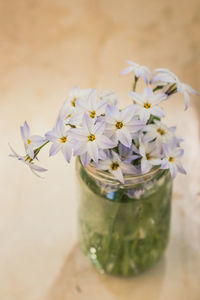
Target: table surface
x,y
47,47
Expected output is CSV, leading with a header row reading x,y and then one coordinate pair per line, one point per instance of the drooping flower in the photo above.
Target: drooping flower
x,y
122,124
160,132
68,111
171,159
110,97
30,142
126,154
116,166
61,140
27,161
167,77
150,156
91,106
89,140
140,71
147,103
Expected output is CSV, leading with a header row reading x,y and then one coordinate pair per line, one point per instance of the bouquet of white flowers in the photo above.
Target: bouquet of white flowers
x,y
124,141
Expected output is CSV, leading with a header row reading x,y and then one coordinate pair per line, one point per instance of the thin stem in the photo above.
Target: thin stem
x,y
158,87
36,151
135,83
171,90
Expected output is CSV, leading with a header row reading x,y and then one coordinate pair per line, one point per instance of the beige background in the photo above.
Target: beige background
x,y
46,48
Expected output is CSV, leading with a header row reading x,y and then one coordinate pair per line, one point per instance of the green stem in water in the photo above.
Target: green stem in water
x,y
135,83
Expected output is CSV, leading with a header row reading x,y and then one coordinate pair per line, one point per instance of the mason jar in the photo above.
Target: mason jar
x,y
123,228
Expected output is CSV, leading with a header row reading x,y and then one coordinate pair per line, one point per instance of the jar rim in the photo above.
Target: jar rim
x,y
128,179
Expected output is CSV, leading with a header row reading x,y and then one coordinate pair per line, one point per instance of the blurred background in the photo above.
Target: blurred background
x,y
47,47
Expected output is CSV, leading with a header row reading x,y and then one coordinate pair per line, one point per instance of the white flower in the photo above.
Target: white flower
x,y
126,154
142,71
147,103
115,166
136,141
166,76
121,125
68,111
110,97
30,142
89,141
91,106
160,132
27,161
60,139
171,160
150,156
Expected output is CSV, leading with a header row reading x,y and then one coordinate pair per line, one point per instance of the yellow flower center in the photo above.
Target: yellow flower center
x,y
171,159
92,114
119,125
114,166
161,131
148,157
147,105
73,102
28,142
63,139
91,137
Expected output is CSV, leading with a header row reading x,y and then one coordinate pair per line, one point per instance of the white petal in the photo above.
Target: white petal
x,y
55,147
144,114
165,164
93,150
51,135
37,168
128,112
118,174
156,161
101,107
157,111
104,165
87,123
99,128
180,167
147,93
105,143
179,152
187,100
124,137
128,168
157,98
172,168
126,70
26,130
30,151
37,141
145,165
60,128
67,151
22,134
80,148
137,98
85,159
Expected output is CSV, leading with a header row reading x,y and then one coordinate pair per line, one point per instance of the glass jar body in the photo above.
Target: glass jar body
x,y
123,229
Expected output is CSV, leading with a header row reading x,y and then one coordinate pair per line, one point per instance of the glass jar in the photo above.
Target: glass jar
x,y
123,228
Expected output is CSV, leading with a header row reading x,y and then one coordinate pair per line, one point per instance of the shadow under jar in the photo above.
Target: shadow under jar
x,y
123,228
